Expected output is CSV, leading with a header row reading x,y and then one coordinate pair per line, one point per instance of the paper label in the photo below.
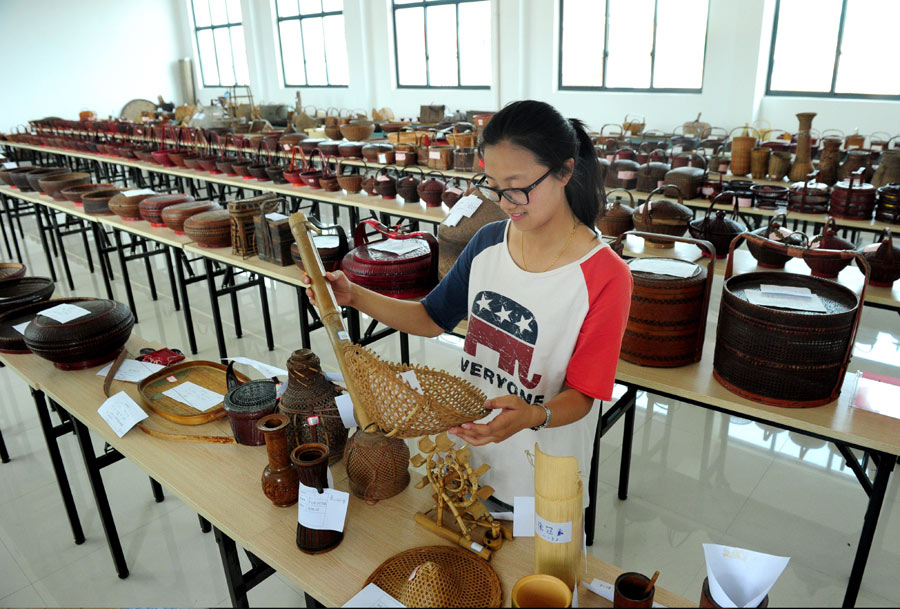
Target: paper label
x,y
400,156
139,191
410,377
10,165
172,379
677,149
784,301
610,157
21,327
523,516
194,395
382,178
396,246
745,202
322,512
791,290
707,190
627,175
132,371
121,413
276,216
345,408
342,335
664,266
382,157
723,167
434,154
554,532
452,219
199,116
468,205
329,241
264,369
373,596
64,313
454,191
476,547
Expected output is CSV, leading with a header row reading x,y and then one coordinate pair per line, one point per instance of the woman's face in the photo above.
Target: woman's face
x,y
509,166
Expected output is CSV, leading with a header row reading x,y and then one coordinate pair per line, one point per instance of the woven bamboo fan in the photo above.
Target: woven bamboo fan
x,y
379,395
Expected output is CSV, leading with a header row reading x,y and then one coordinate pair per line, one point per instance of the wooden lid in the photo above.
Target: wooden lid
x,y
213,218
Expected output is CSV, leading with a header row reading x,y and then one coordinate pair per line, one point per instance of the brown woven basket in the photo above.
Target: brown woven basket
x,y
741,146
476,582
779,164
759,162
377,466
781,357
828,240
617,218
809,197
652,175
884,260
719,229
775,231
664,217
689,179
667,320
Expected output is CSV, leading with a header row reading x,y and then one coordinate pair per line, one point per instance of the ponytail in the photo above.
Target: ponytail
x,y
541,129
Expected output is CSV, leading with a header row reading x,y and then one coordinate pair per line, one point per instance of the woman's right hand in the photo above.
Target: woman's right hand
x,y
340,285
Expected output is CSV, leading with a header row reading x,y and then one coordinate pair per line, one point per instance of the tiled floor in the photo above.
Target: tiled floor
x,y
697,477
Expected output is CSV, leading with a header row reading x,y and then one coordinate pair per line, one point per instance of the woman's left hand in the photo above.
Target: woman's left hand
x,y
516,415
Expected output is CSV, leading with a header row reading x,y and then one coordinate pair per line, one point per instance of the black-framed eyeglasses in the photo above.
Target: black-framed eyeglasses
x,y
516,196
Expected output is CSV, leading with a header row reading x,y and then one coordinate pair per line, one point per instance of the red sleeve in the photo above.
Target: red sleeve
x,y
592,369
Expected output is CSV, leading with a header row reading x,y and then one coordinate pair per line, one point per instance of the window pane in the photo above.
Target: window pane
x,y
406,1
409,30
475,43
219,12
242,72
582,43
336,50
630,43
680,41
329,6
804,46
314,51
287,8
234,11
442,60
292,53
223,55
308,7
207,49
869,40
201,13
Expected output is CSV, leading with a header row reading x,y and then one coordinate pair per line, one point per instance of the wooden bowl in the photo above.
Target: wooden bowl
x,y
11,273
25,291
174,216
329,147
151,208
96,202
351,150
34,177
358,130
127,206
19,177
74,193
54,184
210,229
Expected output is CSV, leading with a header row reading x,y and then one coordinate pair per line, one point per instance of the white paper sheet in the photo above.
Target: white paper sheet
x,y
64,313
523,516
345,408
452,218
664,266
325,512
121,413
396,246
790,290
132,371
468,205
783,301
139,191
553,532
10,165
264,369
21,327
373,596
739,577
334,377
502,515
276,216
324,241
410,377
606,590
194,395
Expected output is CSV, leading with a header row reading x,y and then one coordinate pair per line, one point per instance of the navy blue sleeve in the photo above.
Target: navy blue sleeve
x,y
447,303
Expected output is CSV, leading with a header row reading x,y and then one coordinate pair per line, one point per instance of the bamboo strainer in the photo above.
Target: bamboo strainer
x,y
379,395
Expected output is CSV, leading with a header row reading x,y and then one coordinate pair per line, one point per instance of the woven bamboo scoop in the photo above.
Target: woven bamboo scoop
x,y
382,400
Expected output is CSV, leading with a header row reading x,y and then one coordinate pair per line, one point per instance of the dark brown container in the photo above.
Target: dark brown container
x,y
667,320
75,193
432,189
26,290
351,183
828,240
96,202
11,273
35,176
378,153
652,174
210,229
688,179
128,206
617,218
245,405
775,231
852,199
782,357
719,229
273,237
19,178
351,150
329,147
175,215
883,259
311,462
13,341
888,205
84,342
623,171
151,208
386,184
308,394
408,185
279,478
54,184
663,216
630,591
330,252
452,239
377,466
810,197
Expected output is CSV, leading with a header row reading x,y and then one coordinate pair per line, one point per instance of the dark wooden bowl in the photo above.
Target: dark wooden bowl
x,y
34,177
25,291
96,202
74,193
54,184
11,273
19,178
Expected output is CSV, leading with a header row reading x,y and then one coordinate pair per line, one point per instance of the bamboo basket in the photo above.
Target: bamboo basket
x,y
381,399
779,164
559,515
759,162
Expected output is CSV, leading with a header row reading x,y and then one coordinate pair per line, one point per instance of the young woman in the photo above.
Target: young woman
x,y
546,300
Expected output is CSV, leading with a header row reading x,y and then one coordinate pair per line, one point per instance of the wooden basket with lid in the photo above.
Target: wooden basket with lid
x,y
616,217
663,216
719,229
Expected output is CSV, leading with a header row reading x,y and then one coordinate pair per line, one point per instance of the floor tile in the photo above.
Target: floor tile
x,y
13,578
26,597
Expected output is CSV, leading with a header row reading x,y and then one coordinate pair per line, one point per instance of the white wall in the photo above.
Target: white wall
x,y
63,56
98,54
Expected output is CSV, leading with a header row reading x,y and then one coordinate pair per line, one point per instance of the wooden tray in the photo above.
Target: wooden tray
x,y
209,375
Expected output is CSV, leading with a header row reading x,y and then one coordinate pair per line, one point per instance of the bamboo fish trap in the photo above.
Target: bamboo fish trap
x,y
380,396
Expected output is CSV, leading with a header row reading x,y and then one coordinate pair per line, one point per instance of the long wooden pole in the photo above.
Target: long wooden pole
x,y
329,311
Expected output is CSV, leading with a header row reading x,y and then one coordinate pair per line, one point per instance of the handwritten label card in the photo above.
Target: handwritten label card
x,y
276,216
132,371
121,413
325,512
264,369
194,396
64,313
464,208
10,165
523,516
554,532
21,327
345,407
373,596
661,266
783,301
396,246
324,241
139,191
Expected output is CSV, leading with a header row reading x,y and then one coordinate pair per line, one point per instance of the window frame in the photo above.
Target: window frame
x,y
300,17
424,4
212,29
651,88
834,72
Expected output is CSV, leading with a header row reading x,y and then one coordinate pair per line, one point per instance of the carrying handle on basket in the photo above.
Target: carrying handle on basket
x,y
805,252
619,134
293,167
659,191
880,139
735,214
343,245
616,202
329,311
410,170
658,155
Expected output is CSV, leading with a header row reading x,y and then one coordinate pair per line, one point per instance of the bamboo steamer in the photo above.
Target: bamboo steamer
x,y
174,216
559,518
888,207
210,229
151,208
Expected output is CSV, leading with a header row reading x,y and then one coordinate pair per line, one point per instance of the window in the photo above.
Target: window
x,y
443,43
313,43
220,42
841,48
655,45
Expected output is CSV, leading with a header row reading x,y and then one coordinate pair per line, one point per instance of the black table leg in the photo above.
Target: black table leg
x,y
238,582
62,248
4,454
3,230
102,259
885,463
87,250
173,285
44,244
148,267
51,433
214,305
267,319
205,527
158,495
625,464
92,465
186,311
117,235
404,347
302,304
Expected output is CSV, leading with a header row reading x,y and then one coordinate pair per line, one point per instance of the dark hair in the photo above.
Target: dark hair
x,y
553,139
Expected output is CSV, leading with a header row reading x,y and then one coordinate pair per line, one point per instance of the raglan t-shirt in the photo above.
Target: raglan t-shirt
x,y
529,334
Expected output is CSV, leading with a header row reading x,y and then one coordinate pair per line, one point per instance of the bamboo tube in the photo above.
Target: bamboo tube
x,y
559,518
329,311
452,536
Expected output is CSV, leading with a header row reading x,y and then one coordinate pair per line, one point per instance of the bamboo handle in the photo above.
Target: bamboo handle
x,y
329,311
456,538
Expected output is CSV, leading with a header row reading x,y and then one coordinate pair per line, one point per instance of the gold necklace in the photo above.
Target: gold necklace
x,y
558,256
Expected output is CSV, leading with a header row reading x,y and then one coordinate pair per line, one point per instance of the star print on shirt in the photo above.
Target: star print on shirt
x,y
484,303
524,323
503,314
